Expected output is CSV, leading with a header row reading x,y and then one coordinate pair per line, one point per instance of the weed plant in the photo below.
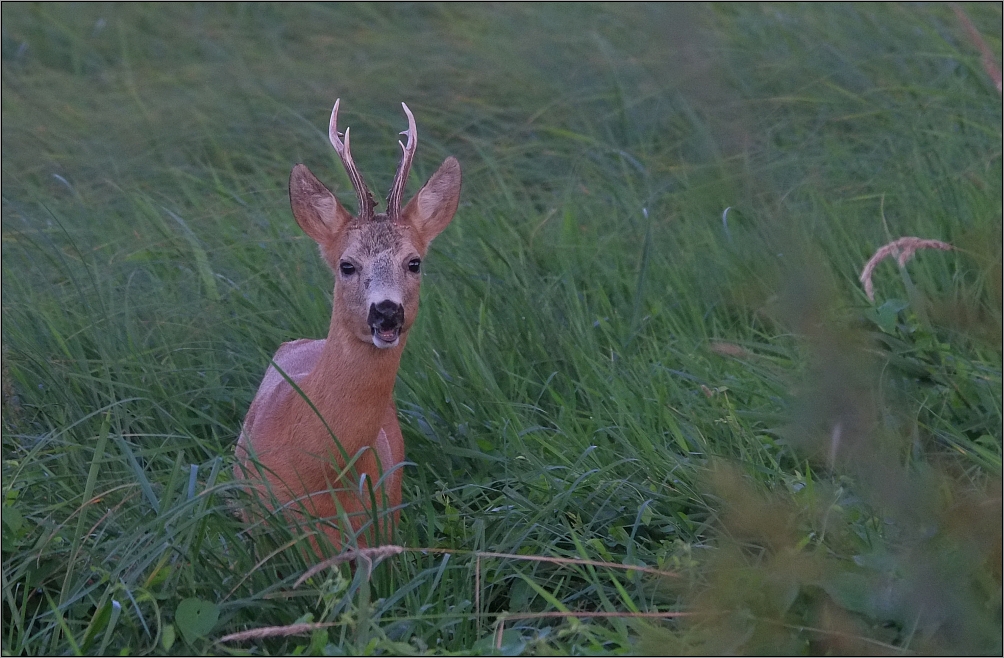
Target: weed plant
x,y
643,346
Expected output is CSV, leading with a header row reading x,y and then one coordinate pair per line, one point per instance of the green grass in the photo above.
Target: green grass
x,y
608,365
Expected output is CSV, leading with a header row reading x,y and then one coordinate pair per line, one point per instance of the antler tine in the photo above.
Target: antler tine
x,y
363,194
404,168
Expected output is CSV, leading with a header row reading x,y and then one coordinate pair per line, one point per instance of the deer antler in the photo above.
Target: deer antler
x,y
363,194
401,177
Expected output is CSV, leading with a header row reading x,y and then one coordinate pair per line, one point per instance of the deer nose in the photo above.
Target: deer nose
x,y
386,316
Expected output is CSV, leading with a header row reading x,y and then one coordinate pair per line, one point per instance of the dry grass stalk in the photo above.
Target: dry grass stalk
x,y
728,349
276,631
574,560
596,614
989,65
552,560
365,555
903,249
306,629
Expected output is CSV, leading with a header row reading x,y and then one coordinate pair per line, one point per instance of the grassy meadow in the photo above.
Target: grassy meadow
x,y
647,405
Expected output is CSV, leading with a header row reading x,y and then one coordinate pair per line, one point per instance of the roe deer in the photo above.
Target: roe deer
x,y
348,377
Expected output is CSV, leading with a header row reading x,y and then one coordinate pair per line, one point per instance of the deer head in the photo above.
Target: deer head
x,y
376,257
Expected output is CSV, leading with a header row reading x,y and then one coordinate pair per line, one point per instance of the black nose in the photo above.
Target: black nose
x,y
386,316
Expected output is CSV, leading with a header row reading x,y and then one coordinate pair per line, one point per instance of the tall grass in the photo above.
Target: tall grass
x,y
642,340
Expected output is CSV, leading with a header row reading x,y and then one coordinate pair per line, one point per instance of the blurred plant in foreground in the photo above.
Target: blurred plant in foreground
x,y
883,541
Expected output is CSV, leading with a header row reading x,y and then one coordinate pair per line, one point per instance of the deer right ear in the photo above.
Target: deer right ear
x,y
315,208
435,204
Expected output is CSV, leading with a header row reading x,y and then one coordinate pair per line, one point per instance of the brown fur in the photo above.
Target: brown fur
x,y
348,379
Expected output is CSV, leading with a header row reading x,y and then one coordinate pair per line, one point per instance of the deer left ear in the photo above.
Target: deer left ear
x,y
315,208
435,204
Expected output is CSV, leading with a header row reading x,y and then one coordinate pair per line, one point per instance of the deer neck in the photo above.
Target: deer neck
x,y
352,385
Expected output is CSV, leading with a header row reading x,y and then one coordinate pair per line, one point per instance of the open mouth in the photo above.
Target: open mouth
x,y
385,320
385,338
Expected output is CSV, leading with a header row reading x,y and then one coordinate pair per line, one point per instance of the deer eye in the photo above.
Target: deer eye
x,y
414,265
347,268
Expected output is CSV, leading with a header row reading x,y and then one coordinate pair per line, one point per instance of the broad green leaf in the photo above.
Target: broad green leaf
x,y
12,519
168,638
195,618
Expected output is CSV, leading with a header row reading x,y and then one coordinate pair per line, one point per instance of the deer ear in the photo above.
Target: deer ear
x,y
435,204
315,208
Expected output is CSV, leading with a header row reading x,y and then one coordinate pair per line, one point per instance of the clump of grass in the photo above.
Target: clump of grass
x,y
609,367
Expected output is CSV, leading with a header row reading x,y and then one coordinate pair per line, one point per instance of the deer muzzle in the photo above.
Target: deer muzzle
x,y
386,319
